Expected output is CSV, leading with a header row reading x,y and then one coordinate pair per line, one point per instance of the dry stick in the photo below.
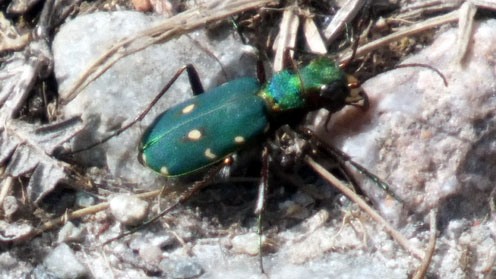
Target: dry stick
x,y
414,29
6,186
485,4
86,211
364,206
411,30
286,39
465,30
344,15
174,26
430,248
100,207
418,10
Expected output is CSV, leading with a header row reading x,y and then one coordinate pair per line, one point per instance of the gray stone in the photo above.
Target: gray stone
x,y
428,141
63,264
10,206
181,269
122,92
128,209
84,199
69,232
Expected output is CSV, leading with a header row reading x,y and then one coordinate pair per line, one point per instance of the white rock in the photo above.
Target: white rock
x,y
128,209
62,263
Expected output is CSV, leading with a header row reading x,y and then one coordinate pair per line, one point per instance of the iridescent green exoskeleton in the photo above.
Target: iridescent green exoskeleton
x,y
207,128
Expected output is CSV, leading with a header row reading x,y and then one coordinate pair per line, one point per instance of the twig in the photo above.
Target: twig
x,y
465,26
364,206
430,248
6,186
347,12
411,30
415,29
180,24
286,39
86,211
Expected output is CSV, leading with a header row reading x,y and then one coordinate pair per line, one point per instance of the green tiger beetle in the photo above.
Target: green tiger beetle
x,y
207,129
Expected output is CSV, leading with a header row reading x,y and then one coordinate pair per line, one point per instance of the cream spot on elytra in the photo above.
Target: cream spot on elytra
x,y
239,139
194,134
209,154
188,109
164,171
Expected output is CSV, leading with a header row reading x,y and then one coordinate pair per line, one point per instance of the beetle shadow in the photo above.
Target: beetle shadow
x,y
293,196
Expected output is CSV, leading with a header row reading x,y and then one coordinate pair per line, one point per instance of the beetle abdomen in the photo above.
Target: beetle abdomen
x,y
205,129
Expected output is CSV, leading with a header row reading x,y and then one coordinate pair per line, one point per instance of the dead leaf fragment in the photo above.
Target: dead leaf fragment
x,y
28,149
10,39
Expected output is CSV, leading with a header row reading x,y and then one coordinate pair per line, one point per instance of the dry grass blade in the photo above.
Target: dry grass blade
x,y
465,27
408,31
86,211
347,12
417,10
286,39
174,26
10,39
430,248
364,206
312,37
420,27
485,4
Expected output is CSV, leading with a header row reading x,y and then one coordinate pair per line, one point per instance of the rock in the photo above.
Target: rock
x,y
128,209
181,269
126,89
428,141
10,206
84,199
63,264
246,244
69,232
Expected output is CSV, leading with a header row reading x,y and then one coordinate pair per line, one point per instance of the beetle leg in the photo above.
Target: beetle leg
x,y
186,195
260,205
194,80
196,86
344,158
288,61
261,75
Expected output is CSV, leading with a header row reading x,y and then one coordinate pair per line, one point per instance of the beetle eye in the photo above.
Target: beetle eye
x,y
332,96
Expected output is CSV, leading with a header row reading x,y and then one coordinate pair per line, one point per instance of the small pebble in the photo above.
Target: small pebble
x,y
128,209
181,269
68,233
10,206
246,244
63,264
150,253
7,261
84,199
142,5
16,230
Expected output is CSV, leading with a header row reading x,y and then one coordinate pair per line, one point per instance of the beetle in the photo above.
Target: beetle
x,y
212,125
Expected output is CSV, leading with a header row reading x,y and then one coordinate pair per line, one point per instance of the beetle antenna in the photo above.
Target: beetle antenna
x,y
343,158
260,205
408,65
364,17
